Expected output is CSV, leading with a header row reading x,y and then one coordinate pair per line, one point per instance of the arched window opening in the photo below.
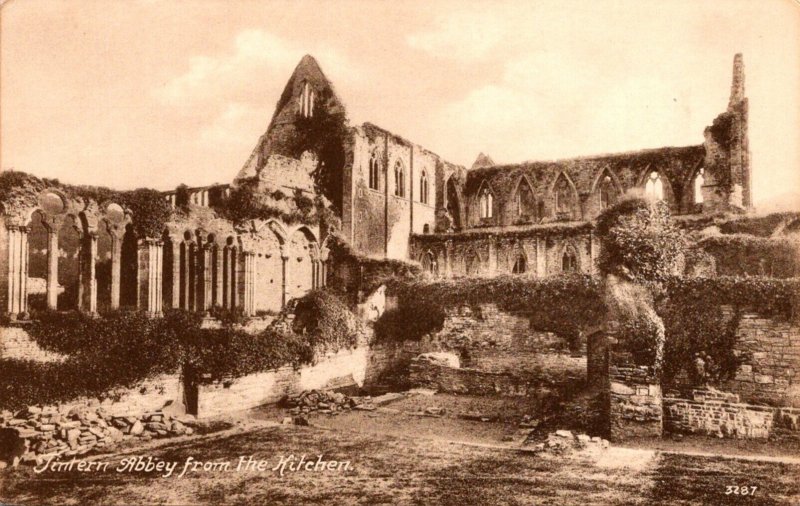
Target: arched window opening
x,y
452,203
167,274
374,172
472,264
564,196
520,264
523,200
569,261
607,193
699,181
69,257
307,101
37,262
399,180
486,203
429,264
423,188
426,229
128,290
540,210
654,187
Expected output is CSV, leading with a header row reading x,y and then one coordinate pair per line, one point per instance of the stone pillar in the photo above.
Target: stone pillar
x,y
541,257
247,283
221,275
594,253
150,276
448,259
52,268
233,277
206,301
88,280
176,274
285,278
492,259
116,269
17,271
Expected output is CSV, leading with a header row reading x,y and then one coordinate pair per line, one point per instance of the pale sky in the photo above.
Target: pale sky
x,y
156,93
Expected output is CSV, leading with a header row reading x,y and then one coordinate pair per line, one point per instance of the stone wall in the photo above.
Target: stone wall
x,y
16,344
717,413
542,249
769,372
423,373
635,403
342,369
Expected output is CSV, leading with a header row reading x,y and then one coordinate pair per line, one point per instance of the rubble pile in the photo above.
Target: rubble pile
x,y
326,402
37,434
563,441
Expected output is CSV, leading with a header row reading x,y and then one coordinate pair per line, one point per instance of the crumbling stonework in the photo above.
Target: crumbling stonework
x,y
716,413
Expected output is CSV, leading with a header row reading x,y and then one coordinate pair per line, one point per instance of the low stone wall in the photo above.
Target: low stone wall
x,y
635,403
467,381
16,344
769,371
721,414
341,369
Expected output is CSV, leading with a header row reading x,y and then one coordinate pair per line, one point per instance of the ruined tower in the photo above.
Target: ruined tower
x,y
309,119
727,160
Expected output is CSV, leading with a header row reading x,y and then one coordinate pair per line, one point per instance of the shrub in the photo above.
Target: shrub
x,y
326,321
565,305
747,255
639,241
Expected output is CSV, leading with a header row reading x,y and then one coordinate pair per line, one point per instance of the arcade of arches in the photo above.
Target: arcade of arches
x,y
64,255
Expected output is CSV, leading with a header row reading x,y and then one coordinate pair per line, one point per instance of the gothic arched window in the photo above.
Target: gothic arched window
x,y
699,181
520,264
423,188
523,202
486,203
374,172
607,195
399,180
654,187
429,264
569,261
563,196
307,101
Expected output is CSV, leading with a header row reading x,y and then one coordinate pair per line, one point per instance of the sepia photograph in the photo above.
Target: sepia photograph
x,y
448,252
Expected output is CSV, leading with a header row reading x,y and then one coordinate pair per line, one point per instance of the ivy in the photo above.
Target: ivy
x,y
121,349
150,210
564,305
639,240
747,255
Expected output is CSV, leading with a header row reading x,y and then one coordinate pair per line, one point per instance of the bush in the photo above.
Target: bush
x,y
747,255
565,305
121,349
697,327
639,241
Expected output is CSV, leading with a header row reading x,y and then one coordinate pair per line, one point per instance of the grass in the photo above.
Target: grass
x,y
398,470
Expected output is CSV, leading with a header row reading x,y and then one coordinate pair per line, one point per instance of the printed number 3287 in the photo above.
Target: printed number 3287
x,y
731,489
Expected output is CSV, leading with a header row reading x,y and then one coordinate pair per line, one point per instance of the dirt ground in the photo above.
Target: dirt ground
x,y
398,457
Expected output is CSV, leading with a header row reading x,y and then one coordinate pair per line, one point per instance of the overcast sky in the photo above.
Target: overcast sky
x,y
157,93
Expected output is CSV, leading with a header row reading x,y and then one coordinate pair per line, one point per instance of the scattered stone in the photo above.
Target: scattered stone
x,y
434,411
287,420
564,434
301,421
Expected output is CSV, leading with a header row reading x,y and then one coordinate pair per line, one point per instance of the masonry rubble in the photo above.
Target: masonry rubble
x,y
326,402
36,434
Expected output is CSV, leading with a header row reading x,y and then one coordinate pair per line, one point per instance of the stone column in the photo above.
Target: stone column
x,y
285,278
207,277
492,259
17,271
248,283
594,253
150,276
541,257
221,275
233,278
448,259
88,273
52,268
116,269
176,274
